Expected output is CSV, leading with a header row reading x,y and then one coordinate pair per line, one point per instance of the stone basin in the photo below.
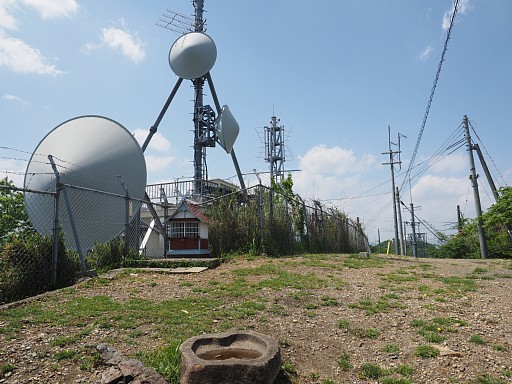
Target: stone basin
x,y
241,357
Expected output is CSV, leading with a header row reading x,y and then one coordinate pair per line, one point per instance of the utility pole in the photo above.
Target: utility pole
x,y
413,225
474,182
392,163
460,220
401,227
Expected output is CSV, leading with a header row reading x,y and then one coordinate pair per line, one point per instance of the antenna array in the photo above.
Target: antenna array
x,y
176,22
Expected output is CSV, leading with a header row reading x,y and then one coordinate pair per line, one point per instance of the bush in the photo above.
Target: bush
x,y
26,264
111,255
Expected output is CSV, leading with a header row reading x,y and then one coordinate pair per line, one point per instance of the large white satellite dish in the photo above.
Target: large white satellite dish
x,y
91,152
227,129
192,55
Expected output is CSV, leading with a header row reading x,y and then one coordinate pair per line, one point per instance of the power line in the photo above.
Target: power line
x,y
432,92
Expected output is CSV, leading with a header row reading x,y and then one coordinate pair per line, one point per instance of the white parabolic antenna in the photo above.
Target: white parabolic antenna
x,y
192,55
227,129
97,155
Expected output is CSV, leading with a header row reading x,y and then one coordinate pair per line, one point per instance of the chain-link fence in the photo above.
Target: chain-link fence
x,y
73,221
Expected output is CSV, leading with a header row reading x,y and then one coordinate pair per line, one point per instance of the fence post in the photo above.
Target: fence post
x,y
55,247
260,211
126,214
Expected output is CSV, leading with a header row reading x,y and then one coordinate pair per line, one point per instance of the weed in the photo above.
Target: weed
x,y
392,380
391,348
289,368
399,276
88,362
500,348
357,262
343,323
368,333
166,361
314,376
477,339
63,355
286,343
328,301
344,361
371,371
487,379
432,337
5,369
329,381
426,351
405,370
459,284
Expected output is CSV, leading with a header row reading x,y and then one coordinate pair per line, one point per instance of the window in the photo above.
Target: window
x,y
185,229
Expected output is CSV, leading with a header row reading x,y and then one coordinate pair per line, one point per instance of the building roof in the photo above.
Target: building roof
x,y
194,209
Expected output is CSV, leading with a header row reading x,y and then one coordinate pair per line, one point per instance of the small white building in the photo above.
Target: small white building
x,y
188,232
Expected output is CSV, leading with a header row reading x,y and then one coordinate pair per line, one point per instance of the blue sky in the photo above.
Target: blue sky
x,y
336,72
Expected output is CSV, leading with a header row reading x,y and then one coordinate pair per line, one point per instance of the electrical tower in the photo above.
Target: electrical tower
x,y
275,149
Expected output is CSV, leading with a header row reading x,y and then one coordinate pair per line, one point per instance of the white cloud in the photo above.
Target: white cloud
x,y
330,172
18,56
158,141
14,170
425,54
462,9
335,160
8,97
7,19
158,163
120,39
49,9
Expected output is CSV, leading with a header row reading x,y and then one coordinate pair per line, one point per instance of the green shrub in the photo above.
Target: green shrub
x,y
26,265
111,255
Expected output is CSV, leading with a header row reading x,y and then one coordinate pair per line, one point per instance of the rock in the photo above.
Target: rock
x,y
445,351
243,357
125,370
111,376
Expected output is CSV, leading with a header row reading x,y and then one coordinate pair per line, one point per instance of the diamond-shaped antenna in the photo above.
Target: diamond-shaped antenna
x,y
176,22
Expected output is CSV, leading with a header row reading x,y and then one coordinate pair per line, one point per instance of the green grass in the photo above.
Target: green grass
x,y
477,339
391,348
371,371
328,301
405,370
63,355
366,333
357,262
436,330
344,361
400,276
289,368
457,284
165,361
343,324
487,379
5,369
381,305
393,380
426,351
500,347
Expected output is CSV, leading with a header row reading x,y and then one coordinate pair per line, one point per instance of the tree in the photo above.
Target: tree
x,y
13,215
497,222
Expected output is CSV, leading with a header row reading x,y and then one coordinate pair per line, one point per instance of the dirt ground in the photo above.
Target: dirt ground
x,y
358,314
